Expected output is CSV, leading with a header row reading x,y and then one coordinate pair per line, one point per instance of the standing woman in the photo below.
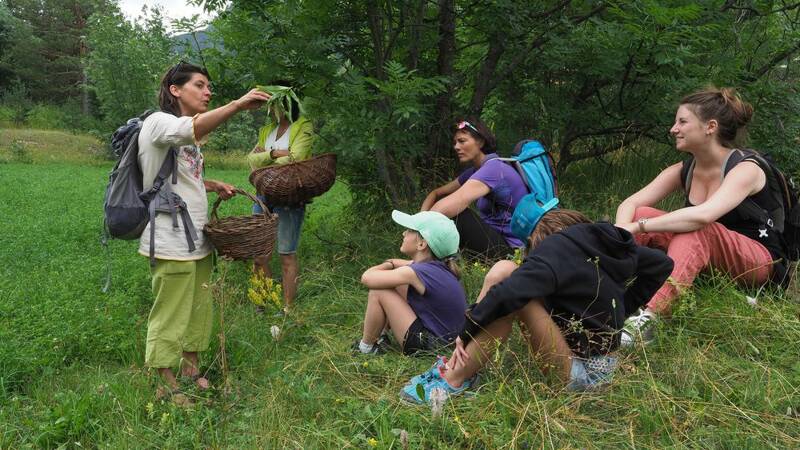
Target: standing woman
x,y
495,185
712,229
179,325
283,140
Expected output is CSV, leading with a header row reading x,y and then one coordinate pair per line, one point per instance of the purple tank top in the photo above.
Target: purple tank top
x,y
441,308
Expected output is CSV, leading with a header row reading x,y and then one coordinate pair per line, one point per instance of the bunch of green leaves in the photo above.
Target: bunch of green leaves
x,y
281,101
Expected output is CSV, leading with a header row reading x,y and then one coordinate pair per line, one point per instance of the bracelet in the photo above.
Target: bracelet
x,y
641,222
390,262
271,153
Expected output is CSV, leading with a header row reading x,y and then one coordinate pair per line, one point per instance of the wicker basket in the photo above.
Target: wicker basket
x,y
297,182
243,237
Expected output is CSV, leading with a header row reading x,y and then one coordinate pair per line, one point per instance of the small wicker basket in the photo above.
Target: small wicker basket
x,y
243,237
296,182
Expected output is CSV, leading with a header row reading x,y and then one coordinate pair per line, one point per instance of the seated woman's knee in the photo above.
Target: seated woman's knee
x,y
499,272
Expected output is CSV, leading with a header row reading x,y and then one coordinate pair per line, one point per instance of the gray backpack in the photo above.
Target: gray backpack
x,y
127,208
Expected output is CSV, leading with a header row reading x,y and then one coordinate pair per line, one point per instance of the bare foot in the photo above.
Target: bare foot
x,y
174,395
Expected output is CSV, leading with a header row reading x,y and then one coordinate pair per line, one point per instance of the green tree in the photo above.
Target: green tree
x,y
51,63
126,62
587,77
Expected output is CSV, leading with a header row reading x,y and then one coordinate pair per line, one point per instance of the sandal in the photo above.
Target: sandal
x,y
196,380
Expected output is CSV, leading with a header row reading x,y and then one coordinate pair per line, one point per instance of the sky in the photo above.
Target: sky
x,y
172,9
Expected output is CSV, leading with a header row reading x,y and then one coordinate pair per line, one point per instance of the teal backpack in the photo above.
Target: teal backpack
x,y
536,167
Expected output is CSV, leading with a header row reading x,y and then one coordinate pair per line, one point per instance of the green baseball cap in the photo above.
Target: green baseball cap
x,y
438,231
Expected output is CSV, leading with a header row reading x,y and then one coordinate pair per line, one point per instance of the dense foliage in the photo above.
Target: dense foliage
x,y
586,77
385,80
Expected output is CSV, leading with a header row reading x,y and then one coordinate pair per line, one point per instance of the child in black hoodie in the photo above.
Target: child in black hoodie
x,y
573,291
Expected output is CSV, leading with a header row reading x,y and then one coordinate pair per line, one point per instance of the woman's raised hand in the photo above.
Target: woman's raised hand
x,y
252,100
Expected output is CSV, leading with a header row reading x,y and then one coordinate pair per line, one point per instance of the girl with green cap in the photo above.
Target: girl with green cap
x,y
420,299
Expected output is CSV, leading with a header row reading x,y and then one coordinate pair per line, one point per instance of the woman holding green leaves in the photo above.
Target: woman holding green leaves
x,y
181,318
287,137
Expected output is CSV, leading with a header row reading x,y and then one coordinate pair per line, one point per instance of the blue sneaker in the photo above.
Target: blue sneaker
x,y
425,376
593,373
411,393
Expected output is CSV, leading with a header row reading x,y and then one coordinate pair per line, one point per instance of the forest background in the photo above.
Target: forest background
x,y
384,81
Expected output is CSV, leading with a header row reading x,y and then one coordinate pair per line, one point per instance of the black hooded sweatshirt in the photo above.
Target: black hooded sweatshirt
x,y
591,277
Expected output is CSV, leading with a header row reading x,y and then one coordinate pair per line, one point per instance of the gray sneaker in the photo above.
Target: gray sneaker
x,y
639,328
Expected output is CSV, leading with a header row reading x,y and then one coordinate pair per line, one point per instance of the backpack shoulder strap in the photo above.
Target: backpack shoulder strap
x,y
169,166
735,157
687,167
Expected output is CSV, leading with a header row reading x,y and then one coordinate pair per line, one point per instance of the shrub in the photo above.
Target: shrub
x,y
16,98
75,119
238,133
8,116
46,117
19,153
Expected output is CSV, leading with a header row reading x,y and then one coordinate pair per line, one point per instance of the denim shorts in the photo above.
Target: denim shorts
x,y
591,373
290,221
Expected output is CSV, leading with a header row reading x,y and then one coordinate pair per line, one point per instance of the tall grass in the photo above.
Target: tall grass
x,y
722,374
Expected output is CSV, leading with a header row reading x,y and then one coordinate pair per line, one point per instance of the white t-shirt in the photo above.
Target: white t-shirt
x,y
281,143
160,131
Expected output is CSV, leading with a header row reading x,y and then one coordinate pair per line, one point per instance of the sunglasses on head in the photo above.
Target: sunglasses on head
x,y
464,124
175,69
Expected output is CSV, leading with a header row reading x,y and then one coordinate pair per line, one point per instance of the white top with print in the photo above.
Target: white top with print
x,y
160,131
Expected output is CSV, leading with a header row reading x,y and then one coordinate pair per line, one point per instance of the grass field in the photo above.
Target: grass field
x,y
723,373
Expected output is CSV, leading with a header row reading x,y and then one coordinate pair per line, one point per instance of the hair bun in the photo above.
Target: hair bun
x,y
742,111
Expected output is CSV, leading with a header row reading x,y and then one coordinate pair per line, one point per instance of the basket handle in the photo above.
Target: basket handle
x,y
241,192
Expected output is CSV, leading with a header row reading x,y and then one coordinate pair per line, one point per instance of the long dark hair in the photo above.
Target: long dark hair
x,y
478,130
177,75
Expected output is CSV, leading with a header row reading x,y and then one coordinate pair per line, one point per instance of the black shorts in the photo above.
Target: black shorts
x,y
420,339
479,239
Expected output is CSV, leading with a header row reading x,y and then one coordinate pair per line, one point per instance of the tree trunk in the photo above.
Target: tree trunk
x,y
376,31
439,133
484,84
415,28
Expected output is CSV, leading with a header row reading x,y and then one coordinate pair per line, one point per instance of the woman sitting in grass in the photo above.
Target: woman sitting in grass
x,y
420,299
494,185
572,292
717,226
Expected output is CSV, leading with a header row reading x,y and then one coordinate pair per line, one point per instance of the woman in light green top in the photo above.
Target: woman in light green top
x,y
283,140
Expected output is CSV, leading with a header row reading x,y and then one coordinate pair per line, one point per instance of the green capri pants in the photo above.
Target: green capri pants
x,y
182,314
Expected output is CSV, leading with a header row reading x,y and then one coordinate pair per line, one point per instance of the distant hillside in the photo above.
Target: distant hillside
x,y
185,40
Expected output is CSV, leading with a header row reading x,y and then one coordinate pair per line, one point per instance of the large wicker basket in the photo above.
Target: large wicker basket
x,y
243,237
296,182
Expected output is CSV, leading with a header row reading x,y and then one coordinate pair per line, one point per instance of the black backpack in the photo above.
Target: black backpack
x,y
785,219
127,208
